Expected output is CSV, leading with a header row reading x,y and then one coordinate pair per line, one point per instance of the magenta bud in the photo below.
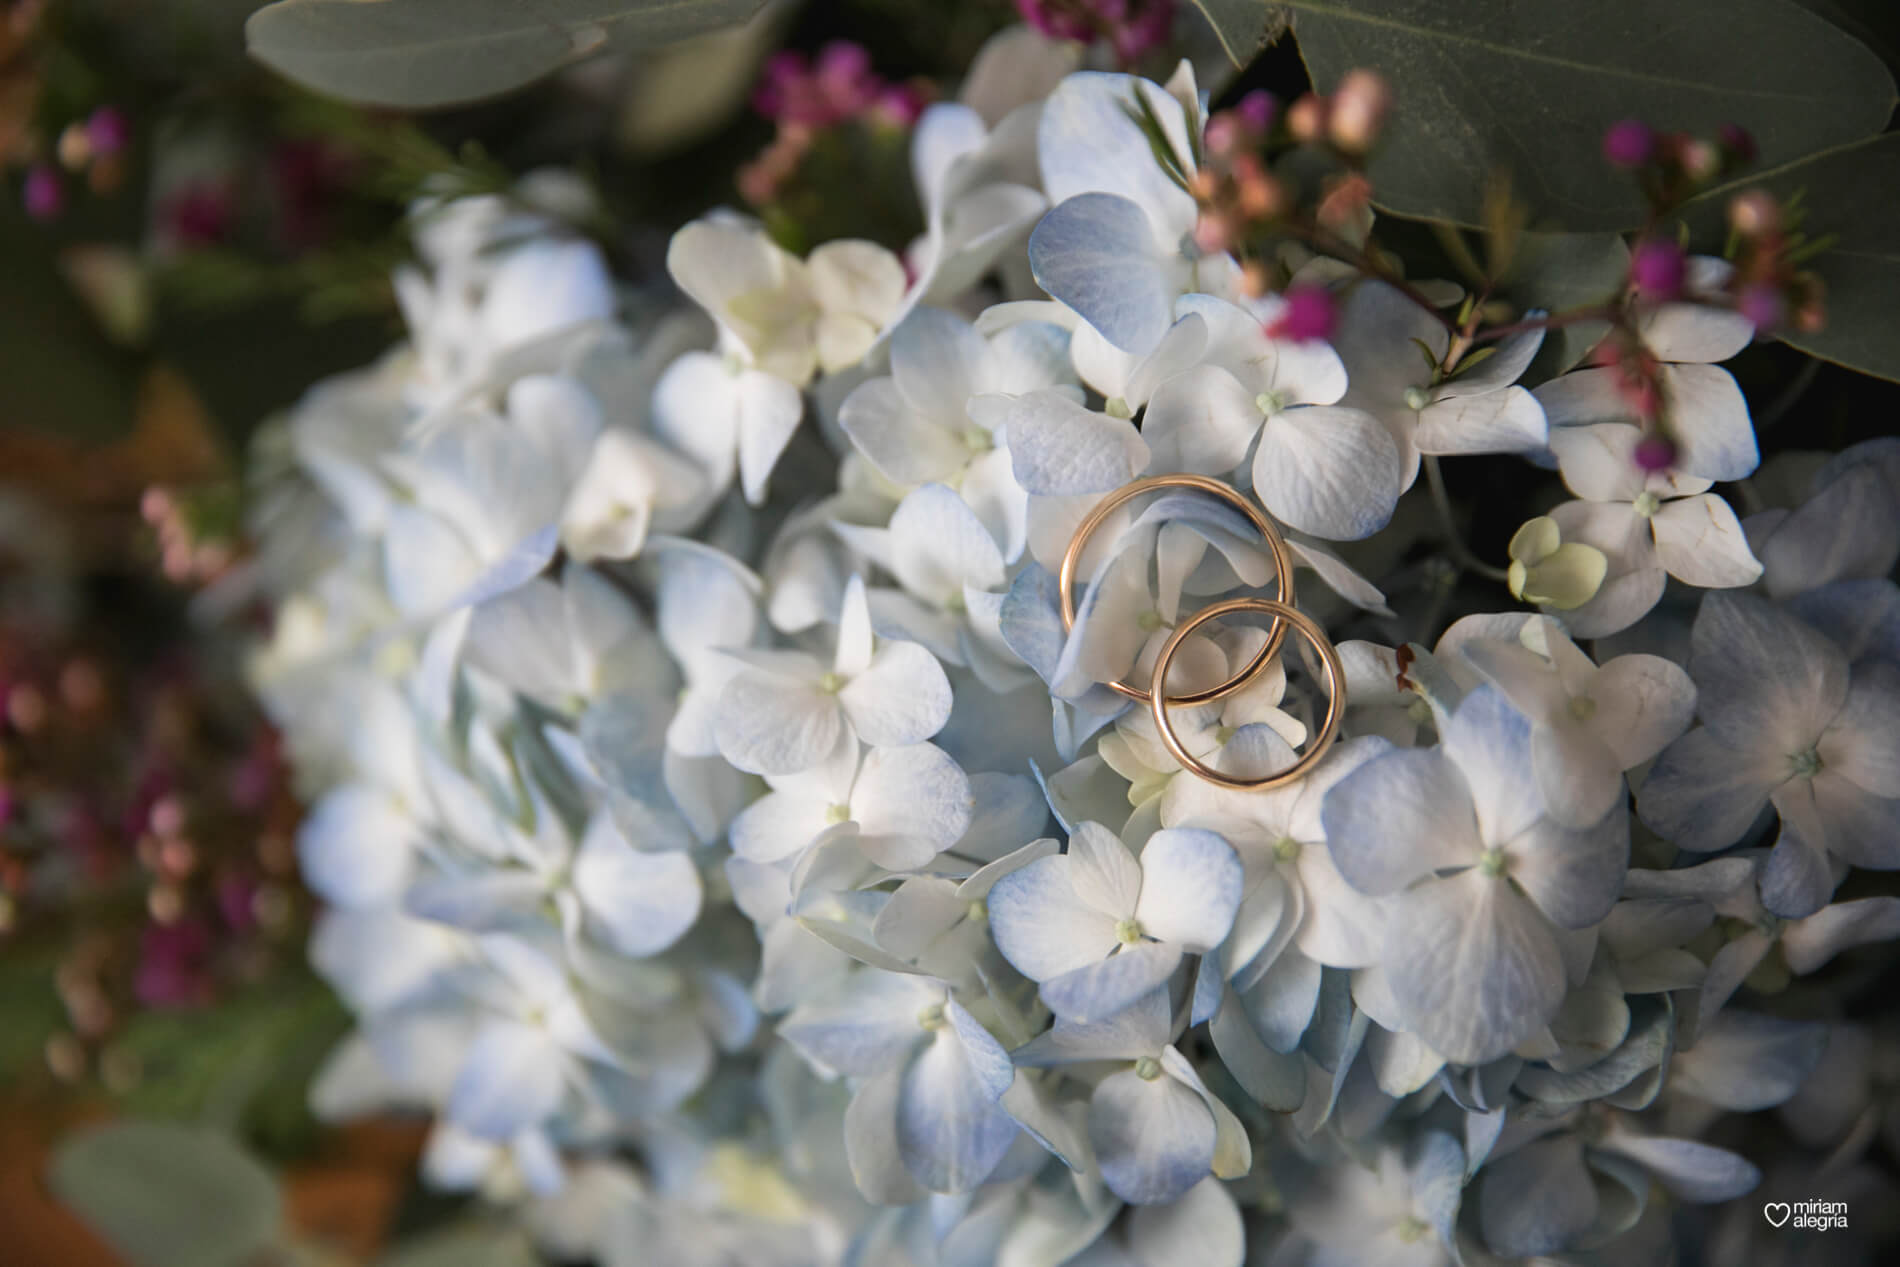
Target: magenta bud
x,y
1256,109
1630,143
1738,142
1654,453
1309,313
1657,267
107,130
1762,304
45,194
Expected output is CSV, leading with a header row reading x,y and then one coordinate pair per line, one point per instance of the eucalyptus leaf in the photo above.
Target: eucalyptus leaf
x,y
169,1195
1847,194
421,53
1527,87
1559,271
1244,26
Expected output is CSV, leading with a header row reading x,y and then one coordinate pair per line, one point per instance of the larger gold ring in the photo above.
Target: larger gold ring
x,y
1276,545
1283,615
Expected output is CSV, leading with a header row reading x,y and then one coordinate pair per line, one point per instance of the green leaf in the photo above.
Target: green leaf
x,y
420,53
1560,271
1244,26
1848,193
169,1195
1528,86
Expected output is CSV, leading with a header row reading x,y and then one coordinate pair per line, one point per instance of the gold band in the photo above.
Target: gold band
x,y
1283,615
1276,545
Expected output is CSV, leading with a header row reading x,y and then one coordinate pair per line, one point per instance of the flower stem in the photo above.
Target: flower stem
x,y
1461,553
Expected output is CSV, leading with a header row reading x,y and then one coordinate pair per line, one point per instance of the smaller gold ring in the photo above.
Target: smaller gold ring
x,y
1335,692
1276,545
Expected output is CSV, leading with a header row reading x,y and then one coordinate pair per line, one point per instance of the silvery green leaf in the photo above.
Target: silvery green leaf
x,y
169,1195
418,53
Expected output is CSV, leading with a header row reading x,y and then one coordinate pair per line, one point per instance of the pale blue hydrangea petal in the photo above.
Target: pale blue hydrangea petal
x,y
870,1141
1153,1138
1573,874
1703,795
1809,943
1862,616
1745,1061
910,804
1105,987
1489,741
1281,1003
937,363
1098,254
482,901
938,546
1140,1029
1692,1170
1086,141
1399,817
1276,1080
1507,421
1330,470
510,1080
951,1132
1474,966
865,1024
1798,879
1539,1201
1849,528
1862,743
1858,827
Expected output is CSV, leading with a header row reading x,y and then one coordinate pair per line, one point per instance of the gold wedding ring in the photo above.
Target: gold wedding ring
x,y
1276,544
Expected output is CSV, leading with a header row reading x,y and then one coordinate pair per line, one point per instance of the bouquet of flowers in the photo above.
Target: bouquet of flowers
x,y
1002,752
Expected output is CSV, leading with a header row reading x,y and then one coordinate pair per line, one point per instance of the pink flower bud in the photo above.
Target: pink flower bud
x,y
1308,313
1699,159
44,194
1654,453
1630,143
108,130
1256,109
1358,110
1762,304
1754,212
1306,119
1657,268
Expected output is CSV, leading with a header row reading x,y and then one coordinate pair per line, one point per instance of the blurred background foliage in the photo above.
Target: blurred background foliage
x,y
188,239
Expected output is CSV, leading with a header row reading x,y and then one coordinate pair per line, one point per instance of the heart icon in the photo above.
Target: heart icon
x,y
1776,1212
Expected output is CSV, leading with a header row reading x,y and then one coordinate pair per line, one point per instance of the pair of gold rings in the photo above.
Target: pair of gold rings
x,y
1284,614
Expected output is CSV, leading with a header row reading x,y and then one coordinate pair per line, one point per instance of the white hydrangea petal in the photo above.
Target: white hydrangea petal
x,y
937,363
1103,871
910,804
938,546
1598,461
1507,421
1153,1139
1811,942
870,1141
1202,421
1573,874
1329,470
1700,542
864,1024
1087,142
1042,926
990,489
1798,879
696,409
1694,332
1190,888
1058,448
1640,704
1202,1228
1474,966
1709,422
1861,828
904,445
768,412
1862,743
767,724
510,1080
852,654
1489,741
641,902
902,698
1746,1061
1578,778
356,847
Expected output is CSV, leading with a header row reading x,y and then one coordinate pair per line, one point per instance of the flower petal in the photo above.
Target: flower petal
x,y
1329,470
